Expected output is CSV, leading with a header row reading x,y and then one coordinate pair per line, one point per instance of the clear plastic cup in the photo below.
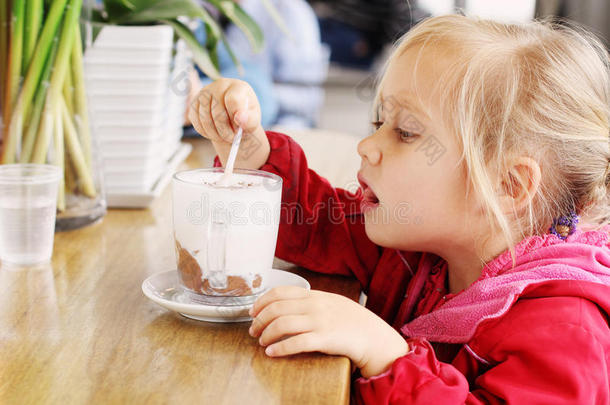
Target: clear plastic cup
x,y
28,203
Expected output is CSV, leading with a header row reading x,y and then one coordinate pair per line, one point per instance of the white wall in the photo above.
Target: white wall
x,y
438,7
503,10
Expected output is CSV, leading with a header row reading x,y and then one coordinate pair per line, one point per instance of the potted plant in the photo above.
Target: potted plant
x,y
136,68
169,12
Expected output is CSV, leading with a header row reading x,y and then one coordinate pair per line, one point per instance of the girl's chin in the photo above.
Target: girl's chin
x,y
377,233
381,231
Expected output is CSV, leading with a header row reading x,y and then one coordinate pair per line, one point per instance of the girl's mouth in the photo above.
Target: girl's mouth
x,y
369,198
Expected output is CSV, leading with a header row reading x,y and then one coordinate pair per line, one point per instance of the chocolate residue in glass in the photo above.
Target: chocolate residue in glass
x,y
257,281
236,287
189,269
191,275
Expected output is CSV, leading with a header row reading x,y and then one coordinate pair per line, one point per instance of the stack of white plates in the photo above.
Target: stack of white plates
x,y
137,89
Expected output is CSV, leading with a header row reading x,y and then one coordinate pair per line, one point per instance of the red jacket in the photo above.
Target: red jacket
x,y
551,347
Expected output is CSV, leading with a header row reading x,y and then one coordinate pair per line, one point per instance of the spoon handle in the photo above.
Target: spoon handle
x,y
234,149
233,152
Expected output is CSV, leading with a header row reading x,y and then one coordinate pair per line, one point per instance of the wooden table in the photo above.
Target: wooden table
x,y
80,331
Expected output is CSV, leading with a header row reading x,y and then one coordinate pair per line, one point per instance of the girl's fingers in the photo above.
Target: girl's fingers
x,y
221,118
284,326
305,342
278,294
235,102
208,113
276,310
205,118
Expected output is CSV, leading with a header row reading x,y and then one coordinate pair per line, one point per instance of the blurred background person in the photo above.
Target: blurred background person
x,y
358,30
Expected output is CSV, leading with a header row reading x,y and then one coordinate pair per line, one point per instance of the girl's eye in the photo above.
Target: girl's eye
x,y
377,124
406,136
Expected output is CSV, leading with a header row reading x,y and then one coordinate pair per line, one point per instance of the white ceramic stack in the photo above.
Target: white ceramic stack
x,y
136,84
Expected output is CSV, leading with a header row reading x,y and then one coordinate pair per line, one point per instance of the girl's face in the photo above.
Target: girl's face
x,y
414,185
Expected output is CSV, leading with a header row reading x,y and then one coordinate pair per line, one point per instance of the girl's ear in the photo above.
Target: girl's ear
x,y
519,184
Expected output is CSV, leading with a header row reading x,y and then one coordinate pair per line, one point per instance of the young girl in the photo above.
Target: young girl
x,y
491,141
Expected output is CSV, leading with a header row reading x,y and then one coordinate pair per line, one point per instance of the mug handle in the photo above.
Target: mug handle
x,y
216,249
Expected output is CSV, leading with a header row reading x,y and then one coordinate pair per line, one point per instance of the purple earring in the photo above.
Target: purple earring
x,y
564,226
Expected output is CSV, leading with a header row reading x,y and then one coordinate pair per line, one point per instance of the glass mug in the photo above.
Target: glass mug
x,y
225,236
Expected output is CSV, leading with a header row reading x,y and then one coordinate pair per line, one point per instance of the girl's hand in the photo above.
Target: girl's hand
x,y
217,112
329,323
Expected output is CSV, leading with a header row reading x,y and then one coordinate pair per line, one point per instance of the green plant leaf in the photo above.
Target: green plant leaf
x,y
150,11
118,8
98,17
242,20
15,54
33,22
4,37
214,33
200,54
212,45
213,30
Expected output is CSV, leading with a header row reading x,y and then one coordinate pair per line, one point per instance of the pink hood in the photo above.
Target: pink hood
x,y
583,257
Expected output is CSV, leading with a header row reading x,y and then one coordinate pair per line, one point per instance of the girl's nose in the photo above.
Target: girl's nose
x,y
369,150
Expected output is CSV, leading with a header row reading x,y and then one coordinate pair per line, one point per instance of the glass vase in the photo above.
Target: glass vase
x,y
45,113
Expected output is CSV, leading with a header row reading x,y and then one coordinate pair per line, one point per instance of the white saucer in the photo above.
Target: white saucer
x,y
164,289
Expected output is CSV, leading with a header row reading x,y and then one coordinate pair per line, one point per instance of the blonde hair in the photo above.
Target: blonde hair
x,y
539,90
